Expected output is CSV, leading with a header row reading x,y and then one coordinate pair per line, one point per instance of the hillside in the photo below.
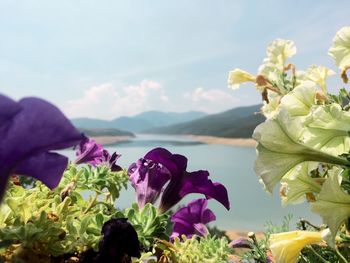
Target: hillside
x,y
105,132
88,123
235,123
142,121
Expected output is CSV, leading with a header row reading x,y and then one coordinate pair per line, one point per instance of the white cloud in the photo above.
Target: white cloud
x,y
211,100
108,101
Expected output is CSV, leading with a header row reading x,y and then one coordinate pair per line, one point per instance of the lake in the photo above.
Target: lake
x,y
232,166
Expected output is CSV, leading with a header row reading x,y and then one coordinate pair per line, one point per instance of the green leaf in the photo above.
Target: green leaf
x,y
99,220
94,231
84,224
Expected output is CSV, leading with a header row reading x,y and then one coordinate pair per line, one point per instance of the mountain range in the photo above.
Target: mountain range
x,y
143,121
105,132
235,123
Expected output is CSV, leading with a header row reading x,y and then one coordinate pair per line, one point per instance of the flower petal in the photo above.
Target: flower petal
x,y
201,229
198,182
89,152
182,183
286,246
35,129
8,108
46,167
38,127
332,204
191,219
112,162
280,149
340,49
119,239
173,162
279,50
238,76
148,178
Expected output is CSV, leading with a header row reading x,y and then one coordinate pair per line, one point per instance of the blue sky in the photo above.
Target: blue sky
x,y
110,58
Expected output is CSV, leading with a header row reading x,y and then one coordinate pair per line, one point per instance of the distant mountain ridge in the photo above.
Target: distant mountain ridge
x,y
235,123
143,121
96,132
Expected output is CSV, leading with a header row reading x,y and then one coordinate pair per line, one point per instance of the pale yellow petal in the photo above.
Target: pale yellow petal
x,y
340,50
279,50
319,75
286,246
238,76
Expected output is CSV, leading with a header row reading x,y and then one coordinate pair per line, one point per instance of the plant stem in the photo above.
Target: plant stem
x,y
303,222
318,255
340,255
91,204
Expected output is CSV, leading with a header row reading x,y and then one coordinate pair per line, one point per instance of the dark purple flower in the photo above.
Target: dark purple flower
x,y
89,152
192,219
29,130
148,178
183,182
112,162
93,153
119,242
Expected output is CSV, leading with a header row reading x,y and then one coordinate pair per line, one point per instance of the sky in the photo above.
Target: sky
x,y
105,59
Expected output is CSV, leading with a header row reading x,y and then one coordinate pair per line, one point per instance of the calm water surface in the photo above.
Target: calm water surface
x,y
251,207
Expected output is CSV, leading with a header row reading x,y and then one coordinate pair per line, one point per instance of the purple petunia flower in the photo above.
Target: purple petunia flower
x,y
112,162
89,152
93,153
119,242
148,178
29,130
181,182
192,219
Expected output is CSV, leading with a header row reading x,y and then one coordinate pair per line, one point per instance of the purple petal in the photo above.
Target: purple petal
x,y
38,127
93,153
112,162
195,182
88,152
4,175
173,162
191,219
35,129
201,229
198,182
148,178
8,109
182,182
119,242
105,156
52,164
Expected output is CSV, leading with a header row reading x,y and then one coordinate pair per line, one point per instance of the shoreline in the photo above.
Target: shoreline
x,y
243,142
108,140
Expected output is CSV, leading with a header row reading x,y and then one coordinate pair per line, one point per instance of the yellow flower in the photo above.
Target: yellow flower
x,y
279,50
238,76
319,74
286,246
271,109
340,50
